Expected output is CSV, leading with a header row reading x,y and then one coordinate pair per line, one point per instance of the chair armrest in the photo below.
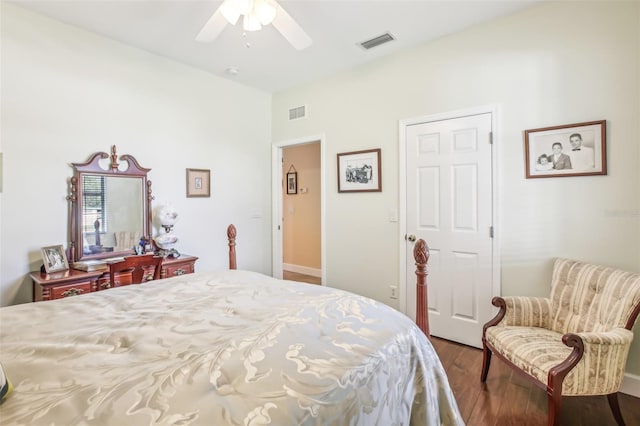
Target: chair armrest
x,y
599,359
521,311
614,337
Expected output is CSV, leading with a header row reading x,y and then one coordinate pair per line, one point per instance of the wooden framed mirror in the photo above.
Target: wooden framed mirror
x,y
110,208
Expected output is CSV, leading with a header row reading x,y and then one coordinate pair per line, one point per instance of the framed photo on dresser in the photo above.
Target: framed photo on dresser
x,y
54,259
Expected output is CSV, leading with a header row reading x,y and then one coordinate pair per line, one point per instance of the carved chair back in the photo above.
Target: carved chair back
x,y
592,298
138,266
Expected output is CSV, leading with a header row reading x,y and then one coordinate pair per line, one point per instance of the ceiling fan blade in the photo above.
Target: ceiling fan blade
x,y
212,29
290,29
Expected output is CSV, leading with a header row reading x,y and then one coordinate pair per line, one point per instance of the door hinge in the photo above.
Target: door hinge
x,y
491,232
490,138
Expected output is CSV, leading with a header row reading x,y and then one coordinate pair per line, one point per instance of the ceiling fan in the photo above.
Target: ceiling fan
x,y
255,14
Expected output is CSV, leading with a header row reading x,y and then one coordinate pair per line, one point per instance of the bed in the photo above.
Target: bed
x,y
227,347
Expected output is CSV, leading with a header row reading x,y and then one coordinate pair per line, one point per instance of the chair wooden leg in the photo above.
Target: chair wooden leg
x,y
555,408
486,362
615,408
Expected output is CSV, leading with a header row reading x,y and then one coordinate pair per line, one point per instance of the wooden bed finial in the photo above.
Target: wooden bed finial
x,y
231,235
421,256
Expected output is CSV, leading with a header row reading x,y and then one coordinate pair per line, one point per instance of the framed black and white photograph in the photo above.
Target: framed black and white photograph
x,y
569,150
360,171
198,183
54,259
292,183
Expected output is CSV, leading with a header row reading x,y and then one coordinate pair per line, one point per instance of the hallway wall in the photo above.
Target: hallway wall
x,y
301,211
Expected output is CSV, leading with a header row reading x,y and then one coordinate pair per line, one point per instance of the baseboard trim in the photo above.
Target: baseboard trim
x,y
631,385
302,270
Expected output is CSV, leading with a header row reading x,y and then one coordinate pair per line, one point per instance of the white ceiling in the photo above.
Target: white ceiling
x,y
169,27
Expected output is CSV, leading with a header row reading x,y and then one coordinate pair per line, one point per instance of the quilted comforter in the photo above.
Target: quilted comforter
x,y
221,348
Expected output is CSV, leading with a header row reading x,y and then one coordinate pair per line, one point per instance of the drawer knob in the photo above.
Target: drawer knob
x,y
72,292
179,272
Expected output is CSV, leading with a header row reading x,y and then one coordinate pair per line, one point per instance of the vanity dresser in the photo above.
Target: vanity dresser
x,y
72,282
110,212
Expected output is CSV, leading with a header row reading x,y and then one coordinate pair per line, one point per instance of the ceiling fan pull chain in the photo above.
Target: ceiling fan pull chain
x,y
247,44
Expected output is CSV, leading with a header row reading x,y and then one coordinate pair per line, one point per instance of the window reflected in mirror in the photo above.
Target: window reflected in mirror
x,y
112,214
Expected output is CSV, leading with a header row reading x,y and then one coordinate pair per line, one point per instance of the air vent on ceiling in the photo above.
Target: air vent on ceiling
x,y
377,41
298,112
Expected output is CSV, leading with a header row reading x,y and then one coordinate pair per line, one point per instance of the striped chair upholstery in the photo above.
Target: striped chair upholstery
x,y
576,341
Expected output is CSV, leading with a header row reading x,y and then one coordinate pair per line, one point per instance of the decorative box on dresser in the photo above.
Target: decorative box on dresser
x,y
73,282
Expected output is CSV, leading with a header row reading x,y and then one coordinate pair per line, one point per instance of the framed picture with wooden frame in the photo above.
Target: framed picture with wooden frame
x,y
198,183
292,183
569,150
54,259
360,171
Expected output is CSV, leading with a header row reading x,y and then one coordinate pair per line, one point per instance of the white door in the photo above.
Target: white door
x,y
449,205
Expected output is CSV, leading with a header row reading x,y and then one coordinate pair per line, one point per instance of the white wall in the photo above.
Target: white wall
x,y
557,63
67,93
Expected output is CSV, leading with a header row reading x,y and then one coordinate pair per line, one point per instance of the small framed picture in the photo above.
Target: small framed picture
x,y
360,171
198,183
569,150
292,183
54,259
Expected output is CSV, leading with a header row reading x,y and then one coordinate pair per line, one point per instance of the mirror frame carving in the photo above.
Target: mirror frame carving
x,y
92,167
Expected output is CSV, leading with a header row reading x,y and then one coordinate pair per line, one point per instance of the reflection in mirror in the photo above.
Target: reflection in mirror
x,y
112,214
110,208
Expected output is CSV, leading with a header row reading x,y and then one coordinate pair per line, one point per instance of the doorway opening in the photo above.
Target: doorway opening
x,y
298,210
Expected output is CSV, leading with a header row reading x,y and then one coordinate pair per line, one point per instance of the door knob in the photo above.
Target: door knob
x,y
411,238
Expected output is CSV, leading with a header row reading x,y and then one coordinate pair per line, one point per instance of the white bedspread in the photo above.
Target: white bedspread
x,y
221,348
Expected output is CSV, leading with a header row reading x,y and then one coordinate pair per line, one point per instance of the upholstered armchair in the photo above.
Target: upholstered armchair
x,y
574,342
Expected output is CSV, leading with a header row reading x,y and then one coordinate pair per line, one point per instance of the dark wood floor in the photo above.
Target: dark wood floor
x,y
508,399
294,276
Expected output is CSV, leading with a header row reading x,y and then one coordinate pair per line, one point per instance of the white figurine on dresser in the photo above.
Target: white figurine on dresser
x,y
167,216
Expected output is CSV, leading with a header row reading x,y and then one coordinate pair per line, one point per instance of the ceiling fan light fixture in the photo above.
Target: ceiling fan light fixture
x,y
255,14
251,22
230,12
243,7
265,11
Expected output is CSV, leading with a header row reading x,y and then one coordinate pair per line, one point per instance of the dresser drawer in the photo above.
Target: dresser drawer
x,y
177,270
122,279
63,284
60,291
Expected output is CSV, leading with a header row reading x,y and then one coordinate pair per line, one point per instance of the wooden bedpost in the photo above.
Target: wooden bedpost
x,y
231,235
421,256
